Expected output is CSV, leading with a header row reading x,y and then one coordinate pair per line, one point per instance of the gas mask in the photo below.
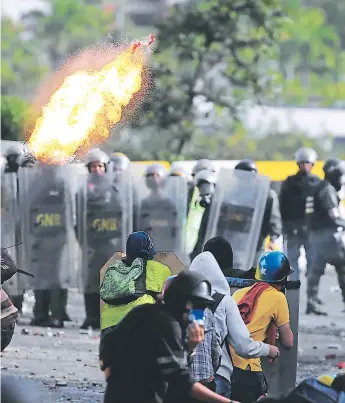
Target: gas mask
x,y
13,162
206,191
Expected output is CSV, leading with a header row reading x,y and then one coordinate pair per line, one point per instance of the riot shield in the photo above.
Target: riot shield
x,y
104,221
281,373
162,213
10,238
46,204
237,211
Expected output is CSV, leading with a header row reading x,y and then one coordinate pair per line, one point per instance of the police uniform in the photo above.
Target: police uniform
x,y
51,299
296,206
325,241
97,197
15,157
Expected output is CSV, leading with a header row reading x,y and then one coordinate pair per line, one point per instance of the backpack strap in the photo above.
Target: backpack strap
x,y
217,300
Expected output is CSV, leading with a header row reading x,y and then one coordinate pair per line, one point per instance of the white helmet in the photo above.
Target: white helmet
x,y
96,154
16,148
306,155
202,164
205,176
3,163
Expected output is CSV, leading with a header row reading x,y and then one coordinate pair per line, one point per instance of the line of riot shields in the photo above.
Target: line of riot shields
x,y
63,223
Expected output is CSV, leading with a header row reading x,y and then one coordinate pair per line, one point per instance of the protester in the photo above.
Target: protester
x,y
9,313
263,308
208,354
325,389
135,280
228,322
145,357
221,249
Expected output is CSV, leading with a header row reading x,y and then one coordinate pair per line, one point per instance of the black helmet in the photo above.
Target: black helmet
x,y
247,165
188,286
330,163
336,175
202,164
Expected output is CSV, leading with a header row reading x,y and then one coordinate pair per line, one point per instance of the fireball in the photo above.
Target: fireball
x,y
86,106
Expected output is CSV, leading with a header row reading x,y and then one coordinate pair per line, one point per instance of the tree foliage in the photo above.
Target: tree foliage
x,y
15,118
66,27
20,71
312,56
212,51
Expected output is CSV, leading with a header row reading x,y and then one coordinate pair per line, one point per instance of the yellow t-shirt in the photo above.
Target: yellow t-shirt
x,y
272,304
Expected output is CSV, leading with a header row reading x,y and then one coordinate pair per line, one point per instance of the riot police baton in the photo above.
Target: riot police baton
x,y
25,272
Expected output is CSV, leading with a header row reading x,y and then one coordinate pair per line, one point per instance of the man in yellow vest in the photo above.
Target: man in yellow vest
x,y
204,174
135,280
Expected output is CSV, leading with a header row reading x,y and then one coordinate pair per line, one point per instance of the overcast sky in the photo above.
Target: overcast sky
x,y
14,8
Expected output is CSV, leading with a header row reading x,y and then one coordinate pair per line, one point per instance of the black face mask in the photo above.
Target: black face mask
x,y
12,161
335,179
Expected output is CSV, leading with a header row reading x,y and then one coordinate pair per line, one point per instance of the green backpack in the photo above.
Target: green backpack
x,y
124,283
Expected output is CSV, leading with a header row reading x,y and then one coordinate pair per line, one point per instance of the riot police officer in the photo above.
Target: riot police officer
x,y
162,211
271,223
327,234
205,181
296,205
47,216
17,157
120,163
95,250
121,172
195,211
180,171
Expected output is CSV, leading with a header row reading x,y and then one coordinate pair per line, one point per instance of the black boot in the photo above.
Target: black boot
x,y
319,301
41,309
312,308
64,297
57,308
17,301
92,309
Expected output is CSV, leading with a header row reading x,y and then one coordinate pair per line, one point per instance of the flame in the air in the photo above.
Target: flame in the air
x,y
81,112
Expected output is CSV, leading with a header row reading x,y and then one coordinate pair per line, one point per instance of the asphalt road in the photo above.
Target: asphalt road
x,y
62,366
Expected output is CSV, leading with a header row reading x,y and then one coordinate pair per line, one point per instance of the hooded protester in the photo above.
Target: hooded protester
x,y
145,358
229,324
135,280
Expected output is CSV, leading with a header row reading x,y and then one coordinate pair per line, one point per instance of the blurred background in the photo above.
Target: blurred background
x,y
232,79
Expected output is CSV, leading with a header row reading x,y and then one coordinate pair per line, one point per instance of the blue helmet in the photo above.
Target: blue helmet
x,y
273,267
